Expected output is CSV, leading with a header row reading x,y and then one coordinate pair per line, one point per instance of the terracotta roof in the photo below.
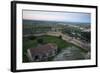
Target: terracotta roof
x,y
43,49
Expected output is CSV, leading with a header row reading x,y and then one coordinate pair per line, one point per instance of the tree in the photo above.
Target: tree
x,y
32,37
40,41
86,36
60,37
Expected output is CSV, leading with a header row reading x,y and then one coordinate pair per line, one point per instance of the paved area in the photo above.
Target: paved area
x,y
71,53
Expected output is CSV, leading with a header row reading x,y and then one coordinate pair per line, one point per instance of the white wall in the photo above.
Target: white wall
x,y
5,36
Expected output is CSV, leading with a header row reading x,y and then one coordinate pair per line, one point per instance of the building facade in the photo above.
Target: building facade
x,y
42,53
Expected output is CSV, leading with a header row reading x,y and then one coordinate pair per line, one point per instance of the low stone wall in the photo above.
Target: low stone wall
x,y
54,33
66,38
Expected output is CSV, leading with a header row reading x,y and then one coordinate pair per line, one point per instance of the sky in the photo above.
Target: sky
x,y
57,16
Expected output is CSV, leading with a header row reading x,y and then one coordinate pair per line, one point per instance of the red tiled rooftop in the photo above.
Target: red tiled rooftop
x,y
43,48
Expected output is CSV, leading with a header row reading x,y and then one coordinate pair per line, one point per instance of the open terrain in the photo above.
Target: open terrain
x,y
72,39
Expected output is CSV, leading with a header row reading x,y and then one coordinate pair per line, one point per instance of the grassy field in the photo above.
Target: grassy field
x,y
32,43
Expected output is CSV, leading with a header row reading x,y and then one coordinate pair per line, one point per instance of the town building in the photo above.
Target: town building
x,y
42,52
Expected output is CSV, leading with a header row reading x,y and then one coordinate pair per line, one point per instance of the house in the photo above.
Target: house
x,y
42,53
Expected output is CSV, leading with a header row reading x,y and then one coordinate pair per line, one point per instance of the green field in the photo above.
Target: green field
x,y
33,42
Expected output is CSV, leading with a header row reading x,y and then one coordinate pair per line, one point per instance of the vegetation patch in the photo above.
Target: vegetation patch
x,y
32,43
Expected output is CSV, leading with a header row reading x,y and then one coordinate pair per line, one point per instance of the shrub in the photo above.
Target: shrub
x,y
40,41
32,37
60,37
